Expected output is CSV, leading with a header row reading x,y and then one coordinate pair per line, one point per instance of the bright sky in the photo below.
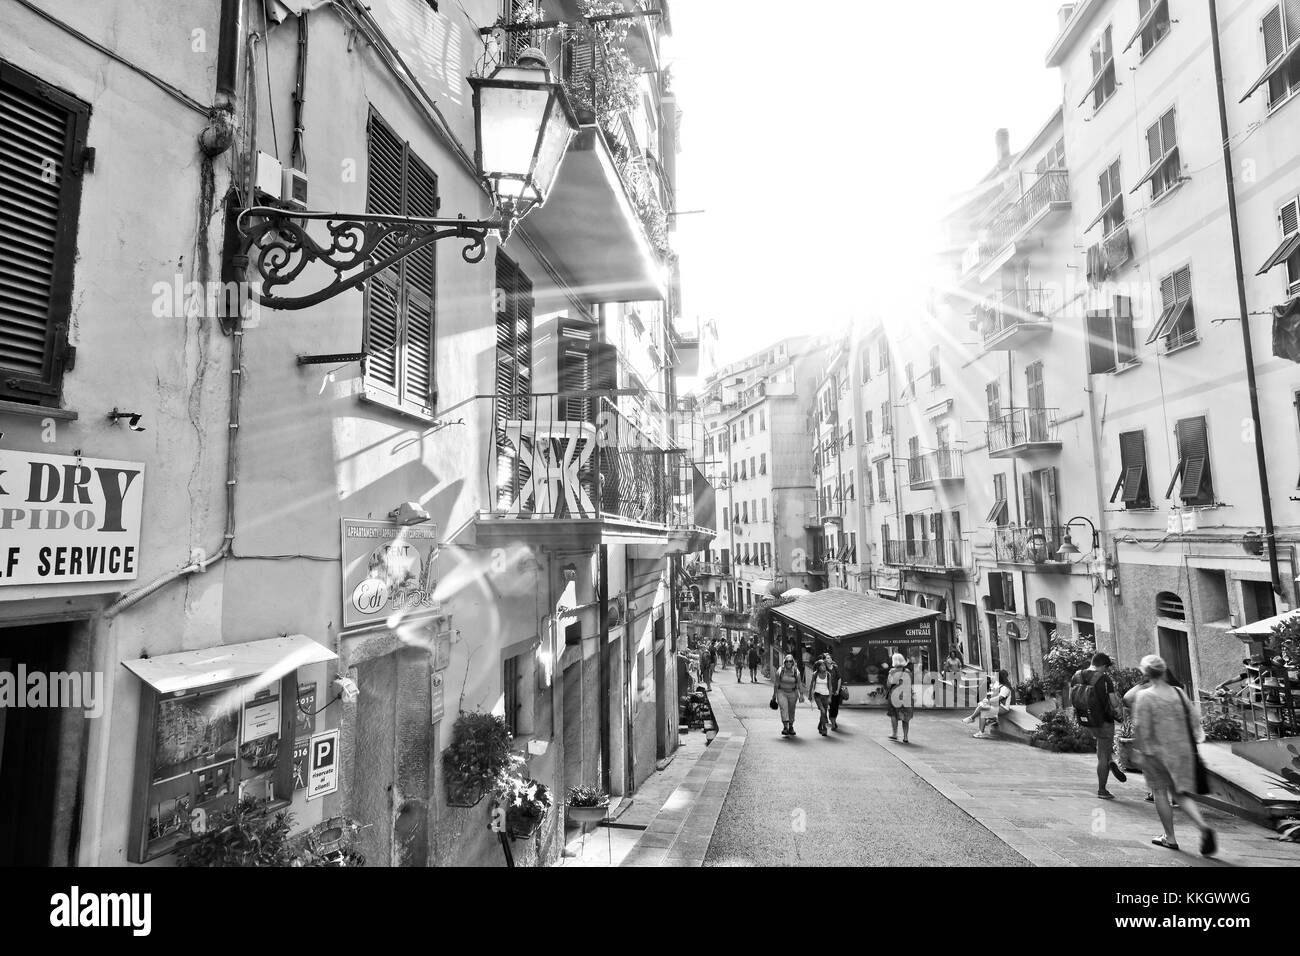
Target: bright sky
x,y
824,141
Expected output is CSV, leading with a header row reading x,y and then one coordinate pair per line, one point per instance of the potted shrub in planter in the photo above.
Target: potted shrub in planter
x,y
1068,655
1124,744
587,805
479,751
526,802
1059,732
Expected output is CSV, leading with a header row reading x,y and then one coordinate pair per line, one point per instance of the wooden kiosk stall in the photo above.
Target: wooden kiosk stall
x,y
862,632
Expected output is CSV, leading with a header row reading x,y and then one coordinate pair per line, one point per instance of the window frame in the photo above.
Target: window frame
x,y
1136,487
1204,495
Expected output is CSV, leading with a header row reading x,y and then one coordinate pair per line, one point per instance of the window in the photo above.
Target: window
x,y
882,487
762,420
41,151
914,447
762,464
867,493
1193,463
1054,160
865,359
1110,188
1289,251
867,435
1083,624
733,434
993,398
886,425
851,493
1111,344
999,514
742,429
765,511
1166,170
884,357
848,437
1177,324
1035,391
1103,71
1002,593
511,687
1169,604
1132,471
1153,24
936,378
399,318
751,426
1038,490
910,391
726,522
1281,30
753,466
514,325
744,512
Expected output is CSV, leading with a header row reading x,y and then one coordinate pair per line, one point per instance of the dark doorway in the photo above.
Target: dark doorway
x,y
1173,648
30,740
1257,601
995,657
661,693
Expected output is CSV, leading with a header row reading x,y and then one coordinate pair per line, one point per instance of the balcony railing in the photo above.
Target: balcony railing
x,y
1050,190
1028,545
568,456
925,553
1016,310
1024,429
923,471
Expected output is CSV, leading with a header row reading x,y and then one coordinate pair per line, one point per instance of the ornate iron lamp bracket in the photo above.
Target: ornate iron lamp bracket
x,y
275,243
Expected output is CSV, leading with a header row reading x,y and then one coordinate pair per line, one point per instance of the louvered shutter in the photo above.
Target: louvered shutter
x,y
1125,342
1101,347
1290,217
1168,131
1194,450
1053,517
417,272
1133,459
42,133
1274,34
1154,149
1029,499
383,305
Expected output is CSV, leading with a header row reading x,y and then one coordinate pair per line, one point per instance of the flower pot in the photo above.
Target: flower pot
x,y
586,814
521,826
465,793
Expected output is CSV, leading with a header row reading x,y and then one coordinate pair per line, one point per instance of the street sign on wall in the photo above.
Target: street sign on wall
x,y
323,764
65,519
387,570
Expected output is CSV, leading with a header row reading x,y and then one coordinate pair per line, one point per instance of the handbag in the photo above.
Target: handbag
x,y
1202,778
773,704
844,694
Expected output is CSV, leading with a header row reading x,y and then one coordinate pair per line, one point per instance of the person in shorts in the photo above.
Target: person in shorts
x,y
1104,708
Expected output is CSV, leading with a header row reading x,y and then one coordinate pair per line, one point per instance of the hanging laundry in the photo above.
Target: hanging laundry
x,y
1286,330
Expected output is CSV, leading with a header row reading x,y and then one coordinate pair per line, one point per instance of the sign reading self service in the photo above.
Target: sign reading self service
x,y
66,520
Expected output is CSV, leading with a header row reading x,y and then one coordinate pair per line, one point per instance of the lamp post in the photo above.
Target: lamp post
x,y
1068,548
523,124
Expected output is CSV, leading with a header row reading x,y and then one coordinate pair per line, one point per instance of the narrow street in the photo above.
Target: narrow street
x,y
836,801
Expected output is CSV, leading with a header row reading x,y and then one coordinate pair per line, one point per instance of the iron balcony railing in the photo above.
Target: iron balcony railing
x,y
1017,307
572,455
1024,426
1028,545
1051,187
925,553
942,465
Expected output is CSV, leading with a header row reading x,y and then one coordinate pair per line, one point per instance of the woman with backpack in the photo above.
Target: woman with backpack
x,y
787,690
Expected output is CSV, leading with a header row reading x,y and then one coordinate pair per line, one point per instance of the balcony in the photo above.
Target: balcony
x,y
1024,431
926,554
819,509
1019,316
575,471
1047,198
934,469
736,620
1030,548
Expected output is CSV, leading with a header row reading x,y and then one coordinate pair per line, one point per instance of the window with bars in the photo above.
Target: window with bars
x,y
1288,252
1166,169
1132,483
1193,467
1177,324
514,353
1111,341
1102,57
399,302
42,143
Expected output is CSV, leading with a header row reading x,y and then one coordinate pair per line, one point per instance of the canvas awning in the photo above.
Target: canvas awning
x,y
1262,628
837,613
272,659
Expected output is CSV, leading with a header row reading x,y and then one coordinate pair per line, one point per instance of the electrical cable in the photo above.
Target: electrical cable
x,y
270,85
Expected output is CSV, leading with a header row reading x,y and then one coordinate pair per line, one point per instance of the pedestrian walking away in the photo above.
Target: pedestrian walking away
x,y
1168,727
787,690
738,658
995,703
898,685
706,666
754,659
838,691
1097,707
821,694
1130,700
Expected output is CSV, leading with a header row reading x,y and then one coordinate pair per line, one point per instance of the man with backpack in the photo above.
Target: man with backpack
x,y
1097,707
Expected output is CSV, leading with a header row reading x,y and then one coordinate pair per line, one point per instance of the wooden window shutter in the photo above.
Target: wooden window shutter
x,y
1133,461
1101,346
1053,516
1125,342
992,395
1031,515
1274,34
42,138
1194,450
418,281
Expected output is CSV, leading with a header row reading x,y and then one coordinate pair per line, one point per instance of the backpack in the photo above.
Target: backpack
x,y
1082,693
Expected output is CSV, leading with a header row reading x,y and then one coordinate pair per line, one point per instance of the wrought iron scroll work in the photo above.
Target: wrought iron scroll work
x,y
277,246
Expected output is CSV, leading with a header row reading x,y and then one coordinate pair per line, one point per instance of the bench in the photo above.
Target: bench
x,y
1018,724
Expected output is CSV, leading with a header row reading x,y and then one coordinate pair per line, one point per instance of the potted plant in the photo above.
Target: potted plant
x,y
1068,655
1124,734
479,751
1059,732
526,802
587,804
1221,726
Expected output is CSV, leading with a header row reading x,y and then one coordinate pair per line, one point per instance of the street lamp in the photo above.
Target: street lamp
x,y
1068,548
522,124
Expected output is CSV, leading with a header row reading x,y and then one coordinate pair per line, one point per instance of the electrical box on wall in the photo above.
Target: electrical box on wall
x,y
269,182
293,191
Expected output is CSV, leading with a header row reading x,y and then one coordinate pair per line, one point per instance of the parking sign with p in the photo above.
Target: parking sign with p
x,y
323,764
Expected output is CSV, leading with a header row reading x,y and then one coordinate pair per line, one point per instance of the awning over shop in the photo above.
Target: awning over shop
x,y
837,613
1256,630
272,658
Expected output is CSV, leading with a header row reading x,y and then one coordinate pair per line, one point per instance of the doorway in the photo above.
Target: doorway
x,y
661,692
995,658
1178,658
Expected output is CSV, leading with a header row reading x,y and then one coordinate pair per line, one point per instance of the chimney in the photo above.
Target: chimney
x,y
1063,15
1004,145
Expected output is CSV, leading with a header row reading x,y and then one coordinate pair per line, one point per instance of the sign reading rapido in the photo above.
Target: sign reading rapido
x,y
65,520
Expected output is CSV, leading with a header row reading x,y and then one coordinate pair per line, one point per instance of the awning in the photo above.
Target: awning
x,y
271,659
1169,318
1144,23
837,613
1263,628
1281,254
1271,70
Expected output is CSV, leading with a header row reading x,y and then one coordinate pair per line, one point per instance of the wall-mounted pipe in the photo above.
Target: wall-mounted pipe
x,y
219,134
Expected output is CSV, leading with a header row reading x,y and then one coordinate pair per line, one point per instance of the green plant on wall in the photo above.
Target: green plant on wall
x,y
1068,654
479,750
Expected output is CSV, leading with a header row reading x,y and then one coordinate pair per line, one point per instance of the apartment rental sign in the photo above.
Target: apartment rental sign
x,y
66,520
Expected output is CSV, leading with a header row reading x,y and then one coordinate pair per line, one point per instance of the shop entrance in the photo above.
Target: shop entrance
x,y
31,741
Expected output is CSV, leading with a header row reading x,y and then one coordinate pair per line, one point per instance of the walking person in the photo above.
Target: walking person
x,y
1097,707
996,703
1168,726
754,659
787,690
706,666
898,685
1130,699
820,689
738,658
837,686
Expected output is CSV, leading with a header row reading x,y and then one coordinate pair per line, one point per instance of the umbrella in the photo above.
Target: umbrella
x,y
795,592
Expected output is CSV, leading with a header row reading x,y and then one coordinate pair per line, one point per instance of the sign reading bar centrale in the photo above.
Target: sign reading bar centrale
x,y
65,520
387,570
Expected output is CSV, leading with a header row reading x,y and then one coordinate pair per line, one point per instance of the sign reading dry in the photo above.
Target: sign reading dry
x,y
65,520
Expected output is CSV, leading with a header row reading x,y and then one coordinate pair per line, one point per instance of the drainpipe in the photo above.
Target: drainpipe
x,y
602,613
1270,535
217,137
